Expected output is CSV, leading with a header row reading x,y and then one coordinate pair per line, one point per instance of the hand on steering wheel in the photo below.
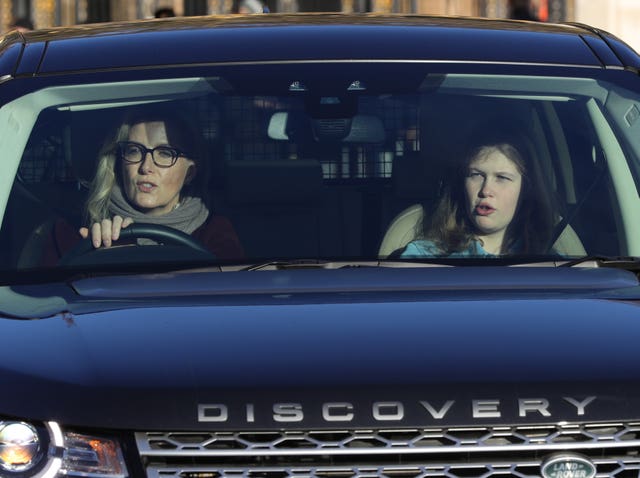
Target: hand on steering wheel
x,y
164,235
103,233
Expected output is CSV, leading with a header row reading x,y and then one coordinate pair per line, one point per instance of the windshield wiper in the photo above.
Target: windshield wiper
x,y
443,261
302,264
628,263
345,263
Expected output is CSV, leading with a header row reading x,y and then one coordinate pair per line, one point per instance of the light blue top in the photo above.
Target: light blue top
x,y
424,247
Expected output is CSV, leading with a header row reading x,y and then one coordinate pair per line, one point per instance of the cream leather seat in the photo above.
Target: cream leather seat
x,y
405,227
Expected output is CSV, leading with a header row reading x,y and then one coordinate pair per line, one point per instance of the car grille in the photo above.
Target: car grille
x,y
460,452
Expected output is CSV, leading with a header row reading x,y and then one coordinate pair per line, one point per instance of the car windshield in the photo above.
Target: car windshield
x,y
328,161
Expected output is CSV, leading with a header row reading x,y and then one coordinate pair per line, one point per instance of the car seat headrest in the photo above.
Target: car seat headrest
x,y
416,178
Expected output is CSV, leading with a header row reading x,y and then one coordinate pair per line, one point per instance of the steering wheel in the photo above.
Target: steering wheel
x,y
85,253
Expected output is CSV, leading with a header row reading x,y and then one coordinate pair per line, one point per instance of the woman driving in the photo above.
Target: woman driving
x,y
152,171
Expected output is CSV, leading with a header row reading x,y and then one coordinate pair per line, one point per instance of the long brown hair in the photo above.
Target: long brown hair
x,y
448,225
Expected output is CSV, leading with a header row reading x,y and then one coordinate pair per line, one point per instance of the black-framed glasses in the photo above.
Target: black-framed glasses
x,y
162,156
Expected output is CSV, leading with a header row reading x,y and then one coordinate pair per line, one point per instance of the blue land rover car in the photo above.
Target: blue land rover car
x,y
377,282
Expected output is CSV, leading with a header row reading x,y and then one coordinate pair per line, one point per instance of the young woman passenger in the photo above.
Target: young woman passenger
x,y
152,170
495,204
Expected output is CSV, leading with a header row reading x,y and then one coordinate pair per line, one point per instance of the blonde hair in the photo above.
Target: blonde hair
x,y
97,206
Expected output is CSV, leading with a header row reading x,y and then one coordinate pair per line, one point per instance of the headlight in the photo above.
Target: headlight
x,y
20,448
29,451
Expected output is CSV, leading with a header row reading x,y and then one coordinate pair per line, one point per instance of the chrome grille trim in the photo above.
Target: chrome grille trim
x,y
520,470
454,452
396,451
391,441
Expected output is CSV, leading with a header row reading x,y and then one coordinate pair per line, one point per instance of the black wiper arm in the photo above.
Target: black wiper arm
x,y
631,264
288,264
280,264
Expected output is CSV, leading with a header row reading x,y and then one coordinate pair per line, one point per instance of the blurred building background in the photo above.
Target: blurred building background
x,y
620,17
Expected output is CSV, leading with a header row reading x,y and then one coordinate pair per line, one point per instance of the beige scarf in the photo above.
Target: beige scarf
x,y
188,216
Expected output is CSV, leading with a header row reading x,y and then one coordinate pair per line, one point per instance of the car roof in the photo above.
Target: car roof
x,y
305,37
